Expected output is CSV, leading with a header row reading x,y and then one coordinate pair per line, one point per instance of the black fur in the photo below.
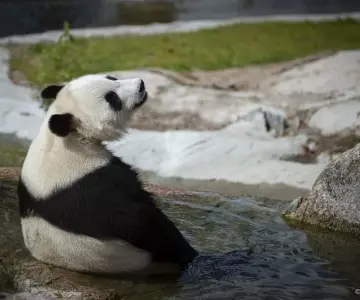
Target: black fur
x,y
142,86
111,78
137,105
114,101
51,91
110,203
61,125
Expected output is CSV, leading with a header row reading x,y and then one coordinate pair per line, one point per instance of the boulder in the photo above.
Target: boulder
x,y
336,118
334,202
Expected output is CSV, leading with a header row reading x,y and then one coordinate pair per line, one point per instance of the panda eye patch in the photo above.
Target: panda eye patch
x,y
114,100
111,78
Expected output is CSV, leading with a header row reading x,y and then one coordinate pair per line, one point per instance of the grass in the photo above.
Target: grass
x,y
224,47
11,156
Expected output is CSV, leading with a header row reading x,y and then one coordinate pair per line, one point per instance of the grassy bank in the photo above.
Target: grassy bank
x,y
231,46
11,156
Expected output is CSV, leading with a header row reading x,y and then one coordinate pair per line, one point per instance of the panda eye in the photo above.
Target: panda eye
x,y
114,100
111,78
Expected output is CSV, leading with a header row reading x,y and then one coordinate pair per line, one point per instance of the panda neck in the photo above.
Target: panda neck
x,y
84,145
74,145
66,159
86,142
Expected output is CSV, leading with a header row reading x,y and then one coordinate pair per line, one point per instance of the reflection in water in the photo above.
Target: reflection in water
x,y
273,260
29,16
270,261
268,7
245,4
146,12
248,251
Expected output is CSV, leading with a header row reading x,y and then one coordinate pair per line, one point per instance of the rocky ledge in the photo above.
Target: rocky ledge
x,y
334,202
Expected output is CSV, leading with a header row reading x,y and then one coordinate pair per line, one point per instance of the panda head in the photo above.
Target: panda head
x,y
96,107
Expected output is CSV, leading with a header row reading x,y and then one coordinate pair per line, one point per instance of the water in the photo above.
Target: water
x,y
30,16
274,260
248,251
271,261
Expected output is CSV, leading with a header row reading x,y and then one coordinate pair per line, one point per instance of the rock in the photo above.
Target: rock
x,y
244,78
259,121
14,102
336,118
230,155
334,202
21,296
9,174
333,75
213,106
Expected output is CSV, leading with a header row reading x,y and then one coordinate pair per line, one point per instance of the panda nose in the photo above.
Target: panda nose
x,y
142,86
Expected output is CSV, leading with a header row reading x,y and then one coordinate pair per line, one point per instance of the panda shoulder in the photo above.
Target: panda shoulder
x,y
118,178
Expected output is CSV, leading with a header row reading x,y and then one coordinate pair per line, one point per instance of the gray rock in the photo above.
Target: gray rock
x,y
21,296
336,118
334,202
322,76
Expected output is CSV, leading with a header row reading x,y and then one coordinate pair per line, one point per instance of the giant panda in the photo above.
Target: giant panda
x,y
81,207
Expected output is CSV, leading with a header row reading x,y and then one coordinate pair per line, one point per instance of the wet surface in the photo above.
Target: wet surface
x,y
41,15
12,150
273,191
249,252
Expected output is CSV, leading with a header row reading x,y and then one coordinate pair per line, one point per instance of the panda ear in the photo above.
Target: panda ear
x,y
62,125
51,91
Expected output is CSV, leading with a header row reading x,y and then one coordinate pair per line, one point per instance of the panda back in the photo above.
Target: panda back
x,y
110,204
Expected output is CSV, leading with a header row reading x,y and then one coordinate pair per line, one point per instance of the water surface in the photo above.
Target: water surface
x,y
248,251
30,16
271,260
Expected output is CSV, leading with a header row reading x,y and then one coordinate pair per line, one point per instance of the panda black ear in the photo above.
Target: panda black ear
x,y
62,125
51,91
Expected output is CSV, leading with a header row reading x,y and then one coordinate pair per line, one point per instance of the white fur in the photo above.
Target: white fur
x,y
80,253
55,162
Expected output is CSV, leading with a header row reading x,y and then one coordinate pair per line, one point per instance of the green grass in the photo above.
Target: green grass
x,y
11,156
231,46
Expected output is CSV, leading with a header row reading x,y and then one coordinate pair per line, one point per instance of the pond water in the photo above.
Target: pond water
x,y
41,15
271,260
248,251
